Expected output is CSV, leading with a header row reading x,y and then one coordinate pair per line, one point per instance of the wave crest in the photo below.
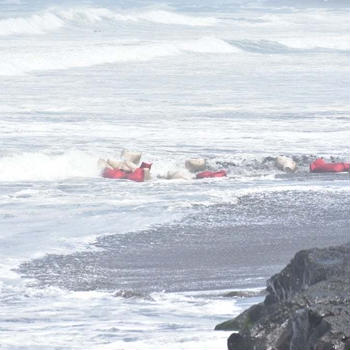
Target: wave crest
x,y
36,24
56,57
45,167
304,45
55,19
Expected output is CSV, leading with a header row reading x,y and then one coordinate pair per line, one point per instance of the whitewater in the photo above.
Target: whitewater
x,y
94,263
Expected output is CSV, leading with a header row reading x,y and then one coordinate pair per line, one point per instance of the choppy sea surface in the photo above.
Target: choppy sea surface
x,y
93,263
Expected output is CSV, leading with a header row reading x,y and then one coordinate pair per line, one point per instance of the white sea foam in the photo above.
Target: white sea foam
x,y
207,45
285,45
334,42
36,24
56,57
45,167
154,324
167,17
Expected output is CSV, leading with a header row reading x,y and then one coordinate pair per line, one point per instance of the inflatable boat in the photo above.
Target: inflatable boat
x,y
320,166
138,175
206,174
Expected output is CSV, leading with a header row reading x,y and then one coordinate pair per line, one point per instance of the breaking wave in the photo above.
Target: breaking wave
x,y
58,57
74,163
55,19
36,24
264,166
292,46
45,167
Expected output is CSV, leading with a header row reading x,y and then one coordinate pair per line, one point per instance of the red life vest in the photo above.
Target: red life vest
x,y
208,173
320,166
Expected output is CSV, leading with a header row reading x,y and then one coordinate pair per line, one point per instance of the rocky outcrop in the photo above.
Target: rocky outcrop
x,y
307,306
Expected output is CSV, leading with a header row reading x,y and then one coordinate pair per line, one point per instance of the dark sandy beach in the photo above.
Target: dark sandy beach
x,y
223,246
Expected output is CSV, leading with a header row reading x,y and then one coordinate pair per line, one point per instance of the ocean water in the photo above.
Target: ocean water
x,y
93,263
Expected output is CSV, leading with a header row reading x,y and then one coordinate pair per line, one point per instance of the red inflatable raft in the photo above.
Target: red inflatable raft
x,y
138,175
206,174
320,166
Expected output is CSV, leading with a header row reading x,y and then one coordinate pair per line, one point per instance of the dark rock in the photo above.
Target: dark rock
x,y
304,160
223,164
236,341
307,306
346,341
269,159
244,294
132,294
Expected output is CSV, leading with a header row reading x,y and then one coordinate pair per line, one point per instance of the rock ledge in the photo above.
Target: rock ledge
x,y
307,306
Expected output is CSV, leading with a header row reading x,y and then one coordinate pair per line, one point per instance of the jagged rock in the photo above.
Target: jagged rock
x,y
307,306
244,293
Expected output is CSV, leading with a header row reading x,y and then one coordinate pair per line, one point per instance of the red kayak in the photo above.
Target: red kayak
x,y
320,166
138,175
206,174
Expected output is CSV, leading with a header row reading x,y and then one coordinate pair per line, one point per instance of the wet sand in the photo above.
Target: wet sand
x,y
223,246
